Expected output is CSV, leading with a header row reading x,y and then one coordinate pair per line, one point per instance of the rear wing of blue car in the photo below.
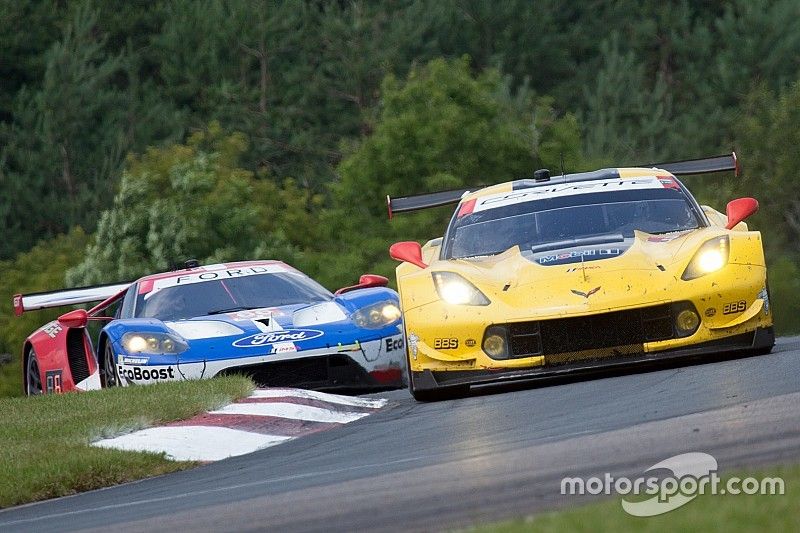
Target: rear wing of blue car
x,y
64,297
706,165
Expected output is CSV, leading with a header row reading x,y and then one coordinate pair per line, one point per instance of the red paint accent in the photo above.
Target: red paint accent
x,y
409,252
233,298
387,375
106,303
466,208
365,282
18,307
739,209
51,354
267,425
146,286
669,182
74,319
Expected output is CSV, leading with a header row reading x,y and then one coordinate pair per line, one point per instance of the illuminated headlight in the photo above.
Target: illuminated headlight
x,y
712,256
454,289
377,315
153,343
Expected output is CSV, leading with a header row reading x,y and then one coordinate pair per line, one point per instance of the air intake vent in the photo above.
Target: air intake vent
x,y
76,353
605,330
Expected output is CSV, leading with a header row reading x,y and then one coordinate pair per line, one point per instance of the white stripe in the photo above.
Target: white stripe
x,y
71,296
290,410
322,396
193,443
503,199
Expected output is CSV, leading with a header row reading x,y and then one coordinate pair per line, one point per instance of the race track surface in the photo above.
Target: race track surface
x,y
482,458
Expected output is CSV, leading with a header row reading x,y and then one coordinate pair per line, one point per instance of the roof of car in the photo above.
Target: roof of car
x,y
211,268
602,174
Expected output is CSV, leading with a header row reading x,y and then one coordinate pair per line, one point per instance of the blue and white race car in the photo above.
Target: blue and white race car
x,y
264,319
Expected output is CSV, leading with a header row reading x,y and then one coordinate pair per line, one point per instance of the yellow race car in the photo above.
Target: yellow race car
x,y
558,274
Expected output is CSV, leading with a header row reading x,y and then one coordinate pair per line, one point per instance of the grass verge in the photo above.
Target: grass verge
x,y
44,441
728,513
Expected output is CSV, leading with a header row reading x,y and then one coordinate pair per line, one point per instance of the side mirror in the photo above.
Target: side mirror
x,y
740,209
365,282
372,280
408,251
74,319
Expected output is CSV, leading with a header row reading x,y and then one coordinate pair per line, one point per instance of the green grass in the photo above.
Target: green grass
x,y
44,449
727,513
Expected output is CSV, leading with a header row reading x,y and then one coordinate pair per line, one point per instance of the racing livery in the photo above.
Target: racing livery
x,y
264,319
571,273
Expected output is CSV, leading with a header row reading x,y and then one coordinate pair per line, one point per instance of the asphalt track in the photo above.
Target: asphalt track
x,y
485,457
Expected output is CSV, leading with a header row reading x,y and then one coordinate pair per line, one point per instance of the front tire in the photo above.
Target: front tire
x,y
33,377
108,372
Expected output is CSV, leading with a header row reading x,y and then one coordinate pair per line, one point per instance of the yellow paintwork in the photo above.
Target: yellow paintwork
x,y
522,290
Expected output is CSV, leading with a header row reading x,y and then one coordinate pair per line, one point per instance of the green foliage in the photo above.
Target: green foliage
x,y
68,137
39,269
191,201
443,128
769,134
341,103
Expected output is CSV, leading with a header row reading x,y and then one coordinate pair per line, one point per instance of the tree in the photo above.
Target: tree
x,y
192,201
769,133
67,140
442,128
39,269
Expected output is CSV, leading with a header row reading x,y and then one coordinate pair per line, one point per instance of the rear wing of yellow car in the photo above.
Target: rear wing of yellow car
x,y
706,165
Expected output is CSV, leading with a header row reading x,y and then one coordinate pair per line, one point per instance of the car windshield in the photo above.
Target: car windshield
x,y
561,222
180,302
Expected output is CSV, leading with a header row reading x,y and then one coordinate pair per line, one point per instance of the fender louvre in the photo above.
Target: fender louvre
x,y
76,354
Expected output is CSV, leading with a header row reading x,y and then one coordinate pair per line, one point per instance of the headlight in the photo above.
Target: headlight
x,y
377,315
712,256
686,319
495,342
153,343
454,289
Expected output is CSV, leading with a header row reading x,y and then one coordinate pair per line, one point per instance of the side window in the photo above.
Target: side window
x,y
125,310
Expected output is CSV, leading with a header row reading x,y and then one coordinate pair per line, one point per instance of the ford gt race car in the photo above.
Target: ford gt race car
x,y
568,273
260,318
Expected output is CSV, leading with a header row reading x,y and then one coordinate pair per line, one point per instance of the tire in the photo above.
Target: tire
x,y
108,370
33,377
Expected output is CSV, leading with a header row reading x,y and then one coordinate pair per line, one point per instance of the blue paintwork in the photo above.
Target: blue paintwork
x,y
328,335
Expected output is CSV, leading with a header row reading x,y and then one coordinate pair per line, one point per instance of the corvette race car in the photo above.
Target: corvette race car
x,y
260,318
551,275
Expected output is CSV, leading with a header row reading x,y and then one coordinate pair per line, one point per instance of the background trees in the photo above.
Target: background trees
x,y
274,128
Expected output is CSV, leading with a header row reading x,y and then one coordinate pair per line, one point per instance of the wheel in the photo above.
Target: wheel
x,y
108,371
33,378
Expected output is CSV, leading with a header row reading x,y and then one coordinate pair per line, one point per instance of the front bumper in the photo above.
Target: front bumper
x,y
325,372
758,341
